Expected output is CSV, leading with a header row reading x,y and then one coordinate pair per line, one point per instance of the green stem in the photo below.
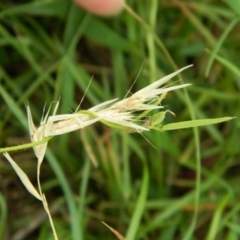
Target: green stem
x,y
25,146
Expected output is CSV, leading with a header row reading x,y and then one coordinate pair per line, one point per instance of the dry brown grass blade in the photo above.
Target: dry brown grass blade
x,y
119,236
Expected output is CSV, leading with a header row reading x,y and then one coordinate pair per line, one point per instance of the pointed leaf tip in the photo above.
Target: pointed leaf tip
x,y
23,177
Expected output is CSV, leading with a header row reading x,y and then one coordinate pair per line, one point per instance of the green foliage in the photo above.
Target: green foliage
x,y
186,189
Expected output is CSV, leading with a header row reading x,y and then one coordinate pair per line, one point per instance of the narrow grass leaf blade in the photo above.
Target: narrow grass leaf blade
x,y
212,234
235,5
38,8
70,200
232,67
234,228
23,177
140,206
11,103
219,44
194,123
3,215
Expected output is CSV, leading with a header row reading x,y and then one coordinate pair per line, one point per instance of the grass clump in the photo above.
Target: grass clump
x,y
188,187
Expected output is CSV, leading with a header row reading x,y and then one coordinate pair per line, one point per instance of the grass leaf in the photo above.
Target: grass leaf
x,y
194,123
23,177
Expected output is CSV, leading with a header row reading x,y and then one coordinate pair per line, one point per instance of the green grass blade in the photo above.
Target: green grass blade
x,y
214,227
3,215
235,5
219,44
75,230
140,206
194,123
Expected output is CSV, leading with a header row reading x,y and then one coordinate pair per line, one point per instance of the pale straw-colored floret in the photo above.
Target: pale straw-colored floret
x,y
141,100
116,116
64,123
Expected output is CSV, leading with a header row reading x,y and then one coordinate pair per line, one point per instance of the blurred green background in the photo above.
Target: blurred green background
x,y
186,189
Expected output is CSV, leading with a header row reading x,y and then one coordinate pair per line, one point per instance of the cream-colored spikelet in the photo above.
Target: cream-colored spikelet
x,y
118,113
123,112
142,99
